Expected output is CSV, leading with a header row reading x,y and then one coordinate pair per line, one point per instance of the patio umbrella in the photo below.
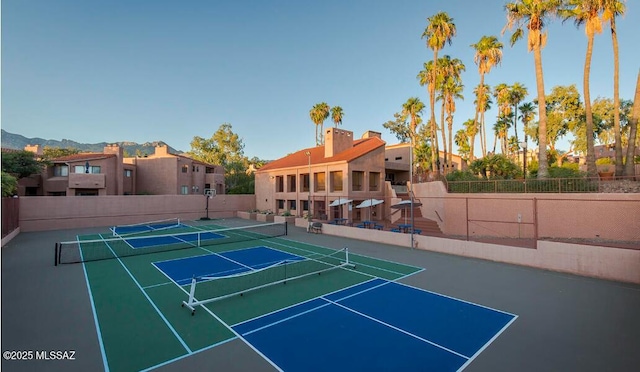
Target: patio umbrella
x,y
404,205
338,202
369,203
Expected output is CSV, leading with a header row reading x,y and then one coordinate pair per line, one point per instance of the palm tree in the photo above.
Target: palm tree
x,y
439,31
483,96
462,141
488,54
613,9
319,113
517,92
450,88
413,109
428,78
527,113
629,168
587,12
336,115
532,15
471,129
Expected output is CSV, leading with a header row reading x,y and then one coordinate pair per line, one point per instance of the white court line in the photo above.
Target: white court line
x,y
175,333
488,343
93,309
400,330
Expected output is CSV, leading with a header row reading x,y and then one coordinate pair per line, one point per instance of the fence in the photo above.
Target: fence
x,y
524,219
551,185
10,215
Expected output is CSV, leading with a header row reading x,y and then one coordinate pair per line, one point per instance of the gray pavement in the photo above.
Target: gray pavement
x,y
565,322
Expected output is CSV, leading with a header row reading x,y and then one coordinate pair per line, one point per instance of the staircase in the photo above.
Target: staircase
x,y
428,227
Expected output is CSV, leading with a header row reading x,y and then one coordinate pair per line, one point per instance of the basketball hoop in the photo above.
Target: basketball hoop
x,y
209,194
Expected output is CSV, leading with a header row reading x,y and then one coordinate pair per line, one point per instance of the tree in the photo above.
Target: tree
x,y
440,30
483,94
336,115
517,92
471,129
319,113
462,141
428,78
413,109
527,114
56,152
225,148
488,54
565,112
587,12
21,164
399,127
9,184
613,9
450,90
532,15
629,168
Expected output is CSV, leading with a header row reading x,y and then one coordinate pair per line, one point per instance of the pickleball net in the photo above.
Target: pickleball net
x,y
78,251
144,227
207,289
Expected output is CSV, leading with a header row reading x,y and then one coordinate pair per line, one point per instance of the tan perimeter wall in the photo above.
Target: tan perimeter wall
x,y
587,260
39,213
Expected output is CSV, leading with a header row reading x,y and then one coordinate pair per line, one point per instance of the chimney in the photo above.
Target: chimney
x,y
36,149
336,141
371,134
162,150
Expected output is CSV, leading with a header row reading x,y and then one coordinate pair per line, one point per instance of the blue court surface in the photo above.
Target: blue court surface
x,y
152,241
376,326
223,264
123,230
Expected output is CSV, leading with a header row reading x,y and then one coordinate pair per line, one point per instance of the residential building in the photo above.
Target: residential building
x,y
110,173
343,168
397,164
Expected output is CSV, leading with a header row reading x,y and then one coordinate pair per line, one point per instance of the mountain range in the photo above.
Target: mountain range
x,y
18,142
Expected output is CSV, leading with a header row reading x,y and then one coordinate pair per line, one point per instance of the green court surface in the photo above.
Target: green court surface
x,y
141,323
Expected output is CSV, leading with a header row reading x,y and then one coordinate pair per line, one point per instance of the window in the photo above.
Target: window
x,y
358,180
280,203
184,190
291,183
336,181
93,169
305,205
398,157
319,184
304,182
374,181
292,205
61,171
209,170
279,184
128,173
185,168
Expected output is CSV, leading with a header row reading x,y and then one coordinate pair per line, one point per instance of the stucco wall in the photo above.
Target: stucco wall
x,y
51,212
594,261
589,216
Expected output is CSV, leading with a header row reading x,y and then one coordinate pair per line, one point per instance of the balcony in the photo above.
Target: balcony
x,y
87,181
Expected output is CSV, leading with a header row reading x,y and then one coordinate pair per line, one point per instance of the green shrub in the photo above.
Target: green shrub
x,y
565,172
458,175
602,161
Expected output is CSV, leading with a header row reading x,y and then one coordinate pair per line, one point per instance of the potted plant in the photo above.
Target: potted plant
x,y
605,168
285,216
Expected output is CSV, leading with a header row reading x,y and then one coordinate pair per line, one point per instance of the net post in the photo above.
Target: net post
x,y
346,255
55,256
286,228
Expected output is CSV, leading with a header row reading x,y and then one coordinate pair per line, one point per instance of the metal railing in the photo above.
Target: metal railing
x,y
550,185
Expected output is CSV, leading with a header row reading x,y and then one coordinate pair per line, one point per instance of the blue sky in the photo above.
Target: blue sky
x,y
138,70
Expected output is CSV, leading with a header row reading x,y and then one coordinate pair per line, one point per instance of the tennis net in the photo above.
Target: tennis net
x,y
107,248
137,228
204,290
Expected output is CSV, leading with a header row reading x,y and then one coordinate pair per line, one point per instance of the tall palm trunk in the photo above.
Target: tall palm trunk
x,y
543,171
515,121
432,105
592,171
616,98
444,135
629,169
450,127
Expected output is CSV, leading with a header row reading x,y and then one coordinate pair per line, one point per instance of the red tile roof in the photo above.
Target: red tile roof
x,y
299,158
82,157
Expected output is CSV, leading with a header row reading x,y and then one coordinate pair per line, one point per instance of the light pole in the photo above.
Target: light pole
x,y
524,157
308,153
